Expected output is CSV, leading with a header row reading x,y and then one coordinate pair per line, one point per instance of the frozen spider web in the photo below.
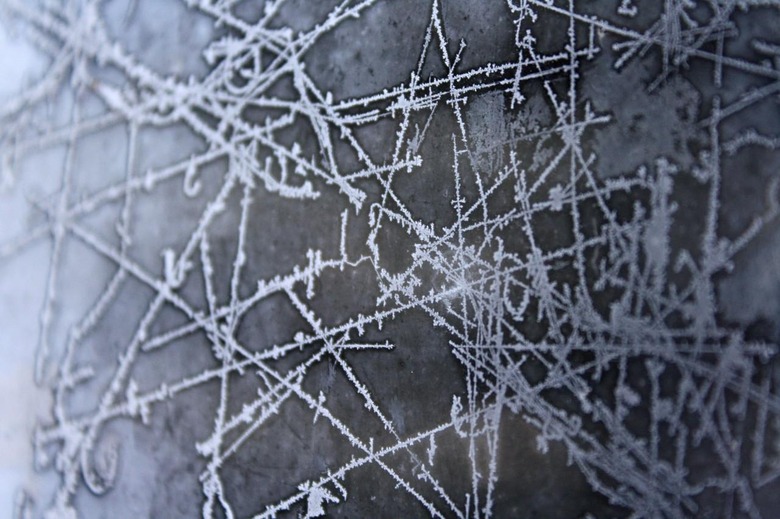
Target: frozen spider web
x,y
253,240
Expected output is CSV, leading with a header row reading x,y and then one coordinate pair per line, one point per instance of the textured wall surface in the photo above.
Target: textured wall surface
x,y
389,258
